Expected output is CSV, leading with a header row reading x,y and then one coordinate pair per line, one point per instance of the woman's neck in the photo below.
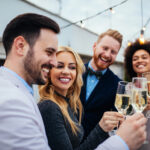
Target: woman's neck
x,y
60,95
139,74
61,92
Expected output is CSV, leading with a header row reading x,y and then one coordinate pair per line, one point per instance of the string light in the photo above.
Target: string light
x,y
147,22
93,16
129,43
112,10
144,28
82,24
142,12
141,39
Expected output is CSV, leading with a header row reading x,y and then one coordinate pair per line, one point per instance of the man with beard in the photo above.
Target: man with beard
x,y
100,83
30,41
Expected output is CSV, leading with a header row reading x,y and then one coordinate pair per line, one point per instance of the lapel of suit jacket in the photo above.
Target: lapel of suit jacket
x,y
83,91
97,87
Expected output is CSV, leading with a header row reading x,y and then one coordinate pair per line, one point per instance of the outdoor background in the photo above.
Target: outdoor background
x,y
128,18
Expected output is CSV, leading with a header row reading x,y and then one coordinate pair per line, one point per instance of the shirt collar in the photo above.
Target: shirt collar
x,y
21,79
90,66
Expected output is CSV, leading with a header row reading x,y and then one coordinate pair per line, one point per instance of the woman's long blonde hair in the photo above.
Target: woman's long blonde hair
x,y
47,91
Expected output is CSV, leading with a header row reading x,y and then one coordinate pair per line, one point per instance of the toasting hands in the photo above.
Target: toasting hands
x,y
133,130
110,120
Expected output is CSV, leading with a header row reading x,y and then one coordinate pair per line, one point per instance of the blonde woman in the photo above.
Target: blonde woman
x,y
61,108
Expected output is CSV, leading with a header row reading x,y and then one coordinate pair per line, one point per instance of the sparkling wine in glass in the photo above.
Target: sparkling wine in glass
x,y
122,100
123,97
147,76
139,93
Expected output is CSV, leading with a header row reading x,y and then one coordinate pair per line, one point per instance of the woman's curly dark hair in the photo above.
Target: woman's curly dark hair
x,y
129,52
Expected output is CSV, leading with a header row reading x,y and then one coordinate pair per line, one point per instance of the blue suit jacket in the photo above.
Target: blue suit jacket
x,y
101,99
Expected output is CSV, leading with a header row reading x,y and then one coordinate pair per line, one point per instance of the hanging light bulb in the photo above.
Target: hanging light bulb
x,y
141,39
112,10
82,24
129,43
144,28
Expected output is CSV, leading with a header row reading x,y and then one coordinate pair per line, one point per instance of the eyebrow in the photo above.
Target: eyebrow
x,y
135,56
144,54
63,63
51,49
140,55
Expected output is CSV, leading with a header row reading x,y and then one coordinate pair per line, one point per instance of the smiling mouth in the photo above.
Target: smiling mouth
x,y
45,70
140,66
64,80
104,60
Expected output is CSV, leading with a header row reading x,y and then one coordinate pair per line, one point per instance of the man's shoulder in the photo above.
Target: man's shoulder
x,y
113,75
9,92
7,85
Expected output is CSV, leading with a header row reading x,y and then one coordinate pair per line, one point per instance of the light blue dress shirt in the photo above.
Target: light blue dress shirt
x,y
21,79
92,81
113,143
122,141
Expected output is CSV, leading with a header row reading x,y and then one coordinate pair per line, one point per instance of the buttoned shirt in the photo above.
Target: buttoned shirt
x,y
92,81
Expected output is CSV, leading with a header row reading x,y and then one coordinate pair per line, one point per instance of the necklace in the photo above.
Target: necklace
x,y
65,98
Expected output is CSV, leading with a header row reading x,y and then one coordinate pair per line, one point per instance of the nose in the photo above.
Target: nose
x,y
65,70
108,54
139,60
53,61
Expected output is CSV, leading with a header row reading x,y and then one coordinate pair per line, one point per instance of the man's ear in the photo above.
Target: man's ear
x,y
20,45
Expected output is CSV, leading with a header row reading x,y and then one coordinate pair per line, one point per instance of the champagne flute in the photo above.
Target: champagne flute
x,y
130,109
123,97
122,100
139,93
147,75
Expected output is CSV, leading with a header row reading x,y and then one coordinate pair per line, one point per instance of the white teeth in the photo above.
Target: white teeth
x,y
45,70
141,66
103,59
64,79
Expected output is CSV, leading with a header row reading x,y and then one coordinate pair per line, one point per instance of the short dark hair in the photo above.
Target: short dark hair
x,y
27,25
129,52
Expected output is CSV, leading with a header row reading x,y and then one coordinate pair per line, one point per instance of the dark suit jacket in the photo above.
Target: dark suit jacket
x,y
101,99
